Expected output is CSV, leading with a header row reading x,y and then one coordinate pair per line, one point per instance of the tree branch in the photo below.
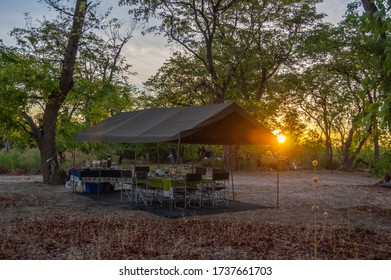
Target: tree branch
x,y
35,130
55,4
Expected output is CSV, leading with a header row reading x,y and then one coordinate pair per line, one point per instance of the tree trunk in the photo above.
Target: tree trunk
x,y
329,144
47,146
329,153
262,86
46,136
376,146
350,156
347,159
231,161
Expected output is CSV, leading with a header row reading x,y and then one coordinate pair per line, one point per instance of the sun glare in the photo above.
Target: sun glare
x,y
281,138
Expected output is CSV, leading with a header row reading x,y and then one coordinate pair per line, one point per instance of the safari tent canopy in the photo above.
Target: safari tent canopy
x,y
219,124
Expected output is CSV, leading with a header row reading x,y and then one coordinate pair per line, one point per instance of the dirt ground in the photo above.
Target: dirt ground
x,y
346,199
38,221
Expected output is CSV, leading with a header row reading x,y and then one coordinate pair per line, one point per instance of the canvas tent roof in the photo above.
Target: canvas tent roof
x,y
222,124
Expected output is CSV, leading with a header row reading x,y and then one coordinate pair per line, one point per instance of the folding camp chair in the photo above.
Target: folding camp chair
x,y
147,194
187,191
217,188
178,193
193,190
125,183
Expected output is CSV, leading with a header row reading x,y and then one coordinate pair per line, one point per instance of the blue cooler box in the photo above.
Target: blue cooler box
x,y
94,187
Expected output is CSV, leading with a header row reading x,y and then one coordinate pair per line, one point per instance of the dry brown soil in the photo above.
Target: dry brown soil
x,y
347,200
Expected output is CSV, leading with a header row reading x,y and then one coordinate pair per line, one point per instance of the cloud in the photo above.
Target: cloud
x,y
334,9
146,54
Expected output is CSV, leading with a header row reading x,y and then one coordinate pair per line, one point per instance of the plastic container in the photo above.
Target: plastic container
x,y
94,187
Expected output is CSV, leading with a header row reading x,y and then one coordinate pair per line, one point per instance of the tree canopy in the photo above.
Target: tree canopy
x,y
324,85
60,73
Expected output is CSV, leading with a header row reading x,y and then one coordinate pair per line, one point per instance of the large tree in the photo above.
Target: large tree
x,y
237,43
45,132
376,22
320,95
59,70
356,51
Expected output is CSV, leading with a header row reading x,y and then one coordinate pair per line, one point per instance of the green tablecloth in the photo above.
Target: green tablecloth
x,y
164,183
168,183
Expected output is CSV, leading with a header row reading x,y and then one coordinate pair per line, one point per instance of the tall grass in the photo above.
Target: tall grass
x,y
20,162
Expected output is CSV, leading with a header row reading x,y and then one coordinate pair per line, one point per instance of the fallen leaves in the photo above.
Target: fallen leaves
x,y
108,237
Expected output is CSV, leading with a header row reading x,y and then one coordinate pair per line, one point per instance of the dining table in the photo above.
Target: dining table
x,y
87,177
166,183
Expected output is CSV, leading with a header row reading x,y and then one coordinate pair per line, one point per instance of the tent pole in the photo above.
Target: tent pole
x,y
134,189
278,177
174,185
177,154
192,160
232,177
74,157
278,187
73,167
158,155
100,170
191,156
135,155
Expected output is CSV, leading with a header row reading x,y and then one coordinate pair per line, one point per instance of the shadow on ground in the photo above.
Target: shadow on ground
x,y
168,211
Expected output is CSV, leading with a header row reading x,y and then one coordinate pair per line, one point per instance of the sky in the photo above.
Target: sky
x,y
145,53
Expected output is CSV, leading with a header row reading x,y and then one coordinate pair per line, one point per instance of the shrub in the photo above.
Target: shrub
x,y
6,163
381,166
20,161
28,161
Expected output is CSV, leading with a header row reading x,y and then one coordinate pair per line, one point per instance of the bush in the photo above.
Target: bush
x,y
383,165
6,163
28,161
378,167
20,161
